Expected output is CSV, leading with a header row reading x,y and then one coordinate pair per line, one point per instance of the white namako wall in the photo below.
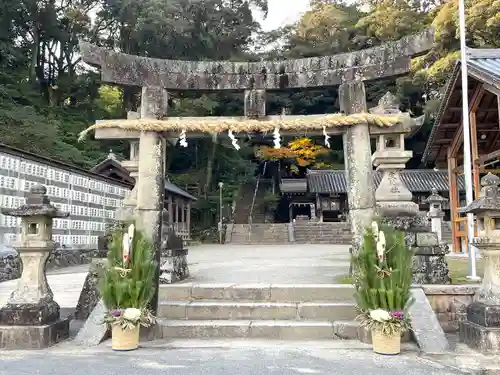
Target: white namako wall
x,y
90,199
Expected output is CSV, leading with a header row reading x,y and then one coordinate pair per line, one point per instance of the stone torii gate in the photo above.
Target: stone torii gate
x,y
348,71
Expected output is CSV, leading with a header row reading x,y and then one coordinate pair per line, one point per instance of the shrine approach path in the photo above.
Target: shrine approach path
x,y
275,264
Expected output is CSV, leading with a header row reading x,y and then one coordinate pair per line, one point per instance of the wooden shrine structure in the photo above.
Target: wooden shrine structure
x,y
445,146
177,202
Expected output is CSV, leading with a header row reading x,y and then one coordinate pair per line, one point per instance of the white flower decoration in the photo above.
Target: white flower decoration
x,y
381,245
375,230
379,315
132,314
125,247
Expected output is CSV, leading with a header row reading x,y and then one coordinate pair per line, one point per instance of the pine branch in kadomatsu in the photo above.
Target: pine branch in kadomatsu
x,y
383,273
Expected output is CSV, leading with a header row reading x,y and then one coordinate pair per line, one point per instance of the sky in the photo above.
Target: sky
x,y
283,12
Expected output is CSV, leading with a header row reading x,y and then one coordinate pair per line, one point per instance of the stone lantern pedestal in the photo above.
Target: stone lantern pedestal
x,y
31,319
481,330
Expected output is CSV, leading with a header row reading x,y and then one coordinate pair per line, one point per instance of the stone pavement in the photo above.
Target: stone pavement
x,y
283,264
218,358
280,264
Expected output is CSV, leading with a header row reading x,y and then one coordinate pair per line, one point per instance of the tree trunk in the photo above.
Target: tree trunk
x,y
210,166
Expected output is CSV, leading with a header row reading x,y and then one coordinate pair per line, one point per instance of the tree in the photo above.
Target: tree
x,y
299,154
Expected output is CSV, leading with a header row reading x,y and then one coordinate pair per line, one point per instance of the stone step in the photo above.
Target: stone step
x,y
225,310
263,329
258,292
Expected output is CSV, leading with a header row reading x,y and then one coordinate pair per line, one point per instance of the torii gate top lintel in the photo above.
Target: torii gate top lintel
x,y
389,59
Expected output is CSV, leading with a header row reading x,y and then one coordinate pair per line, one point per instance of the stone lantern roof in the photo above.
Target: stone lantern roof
x,y
435,197
37,204
489,197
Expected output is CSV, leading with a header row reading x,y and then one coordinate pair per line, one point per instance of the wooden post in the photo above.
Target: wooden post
x,y
170,210
452,186
183,217
188,219
476,100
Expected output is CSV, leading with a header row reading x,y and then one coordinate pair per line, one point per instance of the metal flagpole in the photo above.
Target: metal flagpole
x,y
467,143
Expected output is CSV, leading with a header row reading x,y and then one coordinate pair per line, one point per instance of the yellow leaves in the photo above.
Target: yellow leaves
x,y
302,150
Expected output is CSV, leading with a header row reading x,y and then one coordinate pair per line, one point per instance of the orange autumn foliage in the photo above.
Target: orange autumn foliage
x,y
302,151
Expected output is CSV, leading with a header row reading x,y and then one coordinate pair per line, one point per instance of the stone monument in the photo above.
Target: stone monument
x,y
436,213
481,330
31,318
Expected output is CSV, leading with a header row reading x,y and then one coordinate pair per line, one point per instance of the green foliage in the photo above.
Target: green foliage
x,y
383,281
128,284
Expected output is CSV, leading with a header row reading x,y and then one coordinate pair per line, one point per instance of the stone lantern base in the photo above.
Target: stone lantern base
x,y
32,326
481,330
429,262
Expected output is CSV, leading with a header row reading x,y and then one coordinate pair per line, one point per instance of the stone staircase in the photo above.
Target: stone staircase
x,y
264,234
261,311
446,231
322,233
244,203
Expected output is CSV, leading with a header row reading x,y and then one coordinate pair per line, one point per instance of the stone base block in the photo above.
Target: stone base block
x,y
483,339
174,269
484,315
430,267
29,314
33,337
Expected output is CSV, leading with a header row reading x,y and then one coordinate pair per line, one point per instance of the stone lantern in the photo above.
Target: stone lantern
x,y
436,213
481,330
30,319
392,196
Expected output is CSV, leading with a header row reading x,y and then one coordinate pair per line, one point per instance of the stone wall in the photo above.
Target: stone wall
x,y
449,302
10,263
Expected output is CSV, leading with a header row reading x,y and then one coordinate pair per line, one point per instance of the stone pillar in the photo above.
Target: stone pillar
x,y
151,182
436,213
31,319
255,103
481,330
312,207
358,165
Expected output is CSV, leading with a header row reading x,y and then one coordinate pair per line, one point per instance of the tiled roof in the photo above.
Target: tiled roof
x,y
174,189
417,181
289,185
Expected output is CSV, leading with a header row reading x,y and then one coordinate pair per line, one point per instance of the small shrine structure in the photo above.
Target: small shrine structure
x,y
444,149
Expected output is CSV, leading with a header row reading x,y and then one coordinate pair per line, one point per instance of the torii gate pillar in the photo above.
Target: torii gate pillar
x,y
358,164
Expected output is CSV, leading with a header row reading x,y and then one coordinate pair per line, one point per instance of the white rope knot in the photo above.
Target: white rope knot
x,y
327,137
277,138
182,139
233,139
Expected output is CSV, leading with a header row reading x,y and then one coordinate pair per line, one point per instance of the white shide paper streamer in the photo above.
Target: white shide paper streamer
x,y
233,140
277,138
327,137
182,139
